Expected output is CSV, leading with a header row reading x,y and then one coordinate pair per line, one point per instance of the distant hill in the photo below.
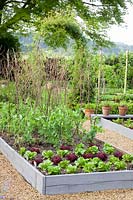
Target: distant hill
x,y
118,48
27,43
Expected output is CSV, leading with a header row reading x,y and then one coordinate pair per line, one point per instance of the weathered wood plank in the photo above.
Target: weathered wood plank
x,y
107,124
85,178
30,173
64,189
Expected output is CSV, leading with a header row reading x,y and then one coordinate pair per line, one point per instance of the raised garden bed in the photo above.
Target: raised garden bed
x,y
67,183
112,126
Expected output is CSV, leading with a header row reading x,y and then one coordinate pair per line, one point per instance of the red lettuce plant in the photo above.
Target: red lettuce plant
x,y
56,159
103,156
72,157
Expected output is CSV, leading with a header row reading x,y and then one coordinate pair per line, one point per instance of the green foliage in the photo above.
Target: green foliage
x,y
58,28
89,167
60,125
47,154
80,162
45,165
20,15
93,150
53,170
113,159
115,68
57,127
62,153
90,135
82,83
120,165
108,148
127,157
64,164
7,92
70,169
127,123
30,155
22,151
79,149
96,160
9,44
102,166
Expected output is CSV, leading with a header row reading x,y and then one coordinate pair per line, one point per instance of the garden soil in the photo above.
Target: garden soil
x,y
14,187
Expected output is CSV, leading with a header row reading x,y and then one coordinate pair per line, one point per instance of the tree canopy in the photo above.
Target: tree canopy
x,y
96,15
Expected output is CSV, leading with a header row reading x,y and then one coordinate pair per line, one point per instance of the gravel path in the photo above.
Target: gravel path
x,y
14,187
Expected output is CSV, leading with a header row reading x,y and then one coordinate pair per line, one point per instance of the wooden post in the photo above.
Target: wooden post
x,y
99,77
125,79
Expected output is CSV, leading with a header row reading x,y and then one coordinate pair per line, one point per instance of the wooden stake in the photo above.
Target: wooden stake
x,y
125,79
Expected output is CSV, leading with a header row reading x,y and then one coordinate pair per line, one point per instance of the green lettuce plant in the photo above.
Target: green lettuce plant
x,y
30,155
89,167
80,162
120,165
102,166
70,169
92,149
44,166
64,164
47,154
62,153
79,149
53,170
127,158
22,151
107,148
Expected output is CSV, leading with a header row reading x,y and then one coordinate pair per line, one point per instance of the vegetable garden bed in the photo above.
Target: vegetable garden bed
x,y
108,124
67,183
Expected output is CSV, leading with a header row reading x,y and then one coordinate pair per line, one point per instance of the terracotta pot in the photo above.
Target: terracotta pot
x,y
106,110
122,110
88,112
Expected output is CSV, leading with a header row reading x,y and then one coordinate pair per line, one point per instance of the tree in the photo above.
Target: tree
x,y
96,15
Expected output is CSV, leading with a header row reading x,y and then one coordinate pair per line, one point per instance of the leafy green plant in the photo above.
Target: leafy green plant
x,y
30,155
96,160
47,154
80,162
62,153
120,165
113,159
95,128
89,167
22,151
102,166
70,169
44,166
107,148
127,157
79,149
60,125
54,170
92,149
128,123
63,164
119,121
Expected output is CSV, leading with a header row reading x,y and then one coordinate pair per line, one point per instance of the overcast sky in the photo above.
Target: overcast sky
x,y
125,33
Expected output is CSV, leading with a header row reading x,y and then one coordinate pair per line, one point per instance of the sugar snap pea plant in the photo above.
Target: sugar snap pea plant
x,y
94,129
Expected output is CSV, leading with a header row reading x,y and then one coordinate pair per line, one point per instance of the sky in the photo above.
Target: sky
x,y
123,33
